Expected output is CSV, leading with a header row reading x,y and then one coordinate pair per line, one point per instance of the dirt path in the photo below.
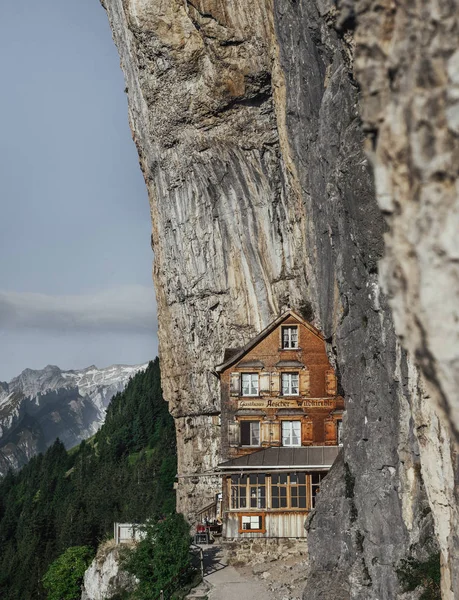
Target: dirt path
x,y
228,583
276,580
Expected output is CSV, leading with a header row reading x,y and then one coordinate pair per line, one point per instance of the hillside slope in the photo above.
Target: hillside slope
x,y
62,499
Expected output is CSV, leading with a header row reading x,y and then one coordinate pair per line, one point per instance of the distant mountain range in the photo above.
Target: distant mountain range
x,y
36,407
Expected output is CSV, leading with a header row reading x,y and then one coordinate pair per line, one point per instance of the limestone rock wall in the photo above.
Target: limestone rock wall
x,y
407,63
104,578
245,114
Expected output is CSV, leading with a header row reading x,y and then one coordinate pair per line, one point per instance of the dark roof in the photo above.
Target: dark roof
x,y
252,364
238,354
303,457
289,363
250,412
230,352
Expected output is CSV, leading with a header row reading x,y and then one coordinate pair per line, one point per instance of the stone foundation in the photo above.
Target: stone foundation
x,y
260,550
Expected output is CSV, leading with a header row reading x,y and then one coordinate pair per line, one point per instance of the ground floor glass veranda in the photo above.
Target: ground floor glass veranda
x,y
274,490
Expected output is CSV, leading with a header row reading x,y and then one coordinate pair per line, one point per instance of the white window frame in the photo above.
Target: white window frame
x,y
291,426
253,390
288,377
289,344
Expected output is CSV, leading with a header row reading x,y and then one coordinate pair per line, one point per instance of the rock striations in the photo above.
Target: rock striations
x,y
36,407
245,115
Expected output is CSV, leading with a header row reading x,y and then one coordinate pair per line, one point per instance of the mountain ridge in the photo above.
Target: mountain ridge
x,y
39,405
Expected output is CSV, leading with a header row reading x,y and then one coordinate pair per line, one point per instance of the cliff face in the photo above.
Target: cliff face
x,y
407,62
245,115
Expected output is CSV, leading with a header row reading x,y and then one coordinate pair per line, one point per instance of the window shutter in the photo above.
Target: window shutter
x,y
319,433
265,431
305,383
235,384
265,387
307,432
330,432
275,430
245,433
233,433
330,382
275,384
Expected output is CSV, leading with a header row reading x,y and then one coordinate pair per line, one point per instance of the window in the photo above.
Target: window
x,y
339,427
248,491
291,433
290,384
250,433
290,337
249,384
239,491
251,523
288,490
298,490
316,479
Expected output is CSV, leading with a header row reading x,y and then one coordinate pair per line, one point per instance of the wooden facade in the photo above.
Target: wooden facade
x,y
280,391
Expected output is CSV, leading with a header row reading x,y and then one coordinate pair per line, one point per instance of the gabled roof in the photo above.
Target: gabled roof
x,y
231,358
304,457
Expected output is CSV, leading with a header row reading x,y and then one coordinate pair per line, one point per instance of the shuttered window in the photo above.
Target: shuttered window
x,y
291,433
235,384
290,337
290,384
330,382
250,433
249,384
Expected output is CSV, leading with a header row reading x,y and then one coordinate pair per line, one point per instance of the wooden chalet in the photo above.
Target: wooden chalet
x,y
281,429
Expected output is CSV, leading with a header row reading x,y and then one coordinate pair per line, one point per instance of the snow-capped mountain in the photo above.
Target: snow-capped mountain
x,y
36,407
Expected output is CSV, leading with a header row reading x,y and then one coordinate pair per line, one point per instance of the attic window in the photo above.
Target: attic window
x,y
290,336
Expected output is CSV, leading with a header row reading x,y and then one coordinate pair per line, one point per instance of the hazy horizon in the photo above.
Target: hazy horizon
x,y
75,279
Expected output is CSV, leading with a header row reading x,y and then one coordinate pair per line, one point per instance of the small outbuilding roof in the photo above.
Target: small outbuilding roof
x,y
304,457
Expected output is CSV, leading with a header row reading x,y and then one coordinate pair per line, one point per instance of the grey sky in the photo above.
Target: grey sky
x,y
75,269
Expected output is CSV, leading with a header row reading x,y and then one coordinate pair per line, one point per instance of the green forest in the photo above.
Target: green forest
x,y
64,499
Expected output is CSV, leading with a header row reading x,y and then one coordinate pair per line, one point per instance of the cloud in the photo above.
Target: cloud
x,y
130,309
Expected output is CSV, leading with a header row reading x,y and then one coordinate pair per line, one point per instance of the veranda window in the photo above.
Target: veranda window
x,y
288,490
291,433
316,479
249,384
248,491
290,384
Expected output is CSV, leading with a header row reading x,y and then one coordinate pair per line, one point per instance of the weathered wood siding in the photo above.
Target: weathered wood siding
x,y
288,524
